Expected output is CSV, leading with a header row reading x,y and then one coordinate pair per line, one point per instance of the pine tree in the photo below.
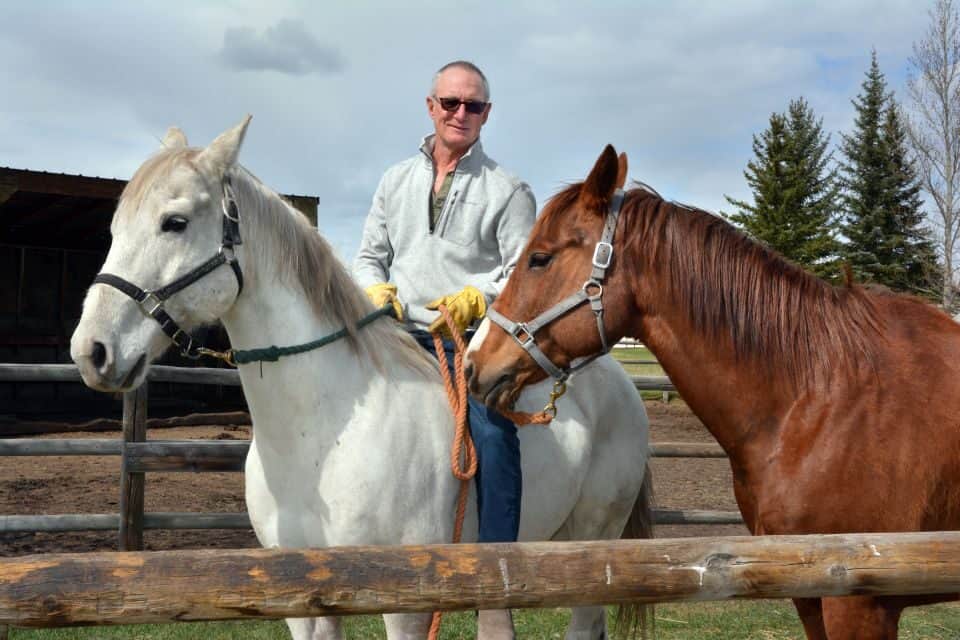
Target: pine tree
x,y
794,191
885,240
920,271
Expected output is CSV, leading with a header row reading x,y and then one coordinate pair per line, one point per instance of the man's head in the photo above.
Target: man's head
x,y
458,104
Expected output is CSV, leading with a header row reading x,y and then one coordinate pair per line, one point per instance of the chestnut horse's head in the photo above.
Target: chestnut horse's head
x,y
557,274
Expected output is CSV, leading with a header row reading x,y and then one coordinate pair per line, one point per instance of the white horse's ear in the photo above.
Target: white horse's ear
x,y
222,152
174,139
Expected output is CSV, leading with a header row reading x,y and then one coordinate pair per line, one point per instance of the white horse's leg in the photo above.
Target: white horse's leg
x,y
315,628
407,626
587,623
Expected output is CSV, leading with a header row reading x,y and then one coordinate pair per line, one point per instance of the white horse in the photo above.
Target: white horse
x,y
351,441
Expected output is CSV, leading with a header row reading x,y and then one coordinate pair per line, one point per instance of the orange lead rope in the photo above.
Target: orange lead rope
x,y
463,457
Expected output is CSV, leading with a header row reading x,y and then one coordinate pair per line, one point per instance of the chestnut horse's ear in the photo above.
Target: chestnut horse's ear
x,y
621,170
601,182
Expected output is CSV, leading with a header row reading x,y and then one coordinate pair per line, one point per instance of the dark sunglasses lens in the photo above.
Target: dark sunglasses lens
x,y
452,104
449,104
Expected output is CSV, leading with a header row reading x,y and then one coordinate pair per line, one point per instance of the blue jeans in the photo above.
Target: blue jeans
x,y
499,479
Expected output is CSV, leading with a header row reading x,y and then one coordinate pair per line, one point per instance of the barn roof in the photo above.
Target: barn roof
x,y
67,211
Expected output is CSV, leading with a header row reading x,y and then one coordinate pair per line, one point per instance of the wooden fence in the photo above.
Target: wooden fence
x,y
140,457
167,586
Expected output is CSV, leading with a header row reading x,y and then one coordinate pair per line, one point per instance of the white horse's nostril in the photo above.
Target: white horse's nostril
x,y
99,355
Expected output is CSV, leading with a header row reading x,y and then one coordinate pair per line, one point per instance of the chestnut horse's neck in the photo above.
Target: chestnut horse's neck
x,y
741,332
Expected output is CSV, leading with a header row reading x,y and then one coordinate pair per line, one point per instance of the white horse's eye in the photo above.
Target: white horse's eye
x,y
174,223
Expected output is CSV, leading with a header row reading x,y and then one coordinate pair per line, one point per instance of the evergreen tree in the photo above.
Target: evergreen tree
x,y
885,240
920,271
794,191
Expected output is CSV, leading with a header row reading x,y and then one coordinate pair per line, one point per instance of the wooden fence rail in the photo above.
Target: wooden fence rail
x,y
165,586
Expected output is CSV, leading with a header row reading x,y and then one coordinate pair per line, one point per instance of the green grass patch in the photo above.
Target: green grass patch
x,y
739,620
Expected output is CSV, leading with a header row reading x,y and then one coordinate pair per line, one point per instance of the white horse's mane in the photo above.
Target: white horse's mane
x,y
278,236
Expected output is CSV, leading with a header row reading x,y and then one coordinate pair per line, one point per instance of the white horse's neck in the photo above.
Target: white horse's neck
x,y
322,384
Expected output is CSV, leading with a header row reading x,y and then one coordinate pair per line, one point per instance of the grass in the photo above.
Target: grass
x,y
739,620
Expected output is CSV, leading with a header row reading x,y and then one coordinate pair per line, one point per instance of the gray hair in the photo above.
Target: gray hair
x,y
468,66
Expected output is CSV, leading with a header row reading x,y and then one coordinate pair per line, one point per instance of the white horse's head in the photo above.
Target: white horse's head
x,y
169,221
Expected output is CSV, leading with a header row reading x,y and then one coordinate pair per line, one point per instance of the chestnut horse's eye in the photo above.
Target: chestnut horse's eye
x,y
539,260
174,223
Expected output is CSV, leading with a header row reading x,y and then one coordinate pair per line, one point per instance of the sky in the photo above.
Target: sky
x,y
337,90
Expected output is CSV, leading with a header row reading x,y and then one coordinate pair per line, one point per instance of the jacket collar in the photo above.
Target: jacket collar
x,y
473,157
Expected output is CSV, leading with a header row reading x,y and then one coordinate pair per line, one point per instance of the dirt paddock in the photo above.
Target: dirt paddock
x,y
90,484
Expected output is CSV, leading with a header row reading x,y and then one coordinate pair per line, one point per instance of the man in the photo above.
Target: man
x,y
446,227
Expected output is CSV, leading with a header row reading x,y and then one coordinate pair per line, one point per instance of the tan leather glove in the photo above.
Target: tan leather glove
x,y
464,307
383,293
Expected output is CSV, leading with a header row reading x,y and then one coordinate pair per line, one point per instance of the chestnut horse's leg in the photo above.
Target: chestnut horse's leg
x,y
861,618
811,615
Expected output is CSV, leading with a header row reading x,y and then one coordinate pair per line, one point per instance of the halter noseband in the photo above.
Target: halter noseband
x,y
591,291
151,302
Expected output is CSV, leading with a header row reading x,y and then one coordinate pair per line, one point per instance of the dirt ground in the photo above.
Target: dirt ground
x,y
77,484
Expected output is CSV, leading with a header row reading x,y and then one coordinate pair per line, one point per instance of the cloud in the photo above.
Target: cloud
x,y
286,47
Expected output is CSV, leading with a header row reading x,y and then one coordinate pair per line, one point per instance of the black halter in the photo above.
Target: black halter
x,y
152,301
591,291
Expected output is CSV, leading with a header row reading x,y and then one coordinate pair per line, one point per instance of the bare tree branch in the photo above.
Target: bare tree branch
x,y
933,127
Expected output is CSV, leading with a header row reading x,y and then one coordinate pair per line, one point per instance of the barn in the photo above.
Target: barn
x,y
54,235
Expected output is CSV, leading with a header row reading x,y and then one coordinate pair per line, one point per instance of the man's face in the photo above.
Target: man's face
x,y
457,129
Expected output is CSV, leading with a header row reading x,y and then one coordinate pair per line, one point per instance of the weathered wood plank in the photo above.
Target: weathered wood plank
x,y
652,383
36,427
696,516
158,373
164,520
111,522
186,455
686,450
163,586
60,447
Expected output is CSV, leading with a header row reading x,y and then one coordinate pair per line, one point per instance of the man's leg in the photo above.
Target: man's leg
x,y
499,480
499,485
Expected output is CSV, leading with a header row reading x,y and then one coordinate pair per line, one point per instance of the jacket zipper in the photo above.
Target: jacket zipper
x,y
445,212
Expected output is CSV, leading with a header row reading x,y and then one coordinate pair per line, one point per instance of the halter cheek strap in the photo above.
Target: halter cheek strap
x,y
592,291
152,301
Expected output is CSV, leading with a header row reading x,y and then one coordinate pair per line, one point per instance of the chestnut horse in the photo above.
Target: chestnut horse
x,y
839,407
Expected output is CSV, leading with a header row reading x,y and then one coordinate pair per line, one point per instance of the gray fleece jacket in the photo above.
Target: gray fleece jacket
x,y
478,238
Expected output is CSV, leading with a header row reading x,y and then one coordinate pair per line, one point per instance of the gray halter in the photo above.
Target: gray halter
x,y
591,291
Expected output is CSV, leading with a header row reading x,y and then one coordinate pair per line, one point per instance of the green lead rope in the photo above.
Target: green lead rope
x,y
274,353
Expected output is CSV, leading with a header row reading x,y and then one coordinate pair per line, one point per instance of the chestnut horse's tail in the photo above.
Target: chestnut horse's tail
x,y
634,618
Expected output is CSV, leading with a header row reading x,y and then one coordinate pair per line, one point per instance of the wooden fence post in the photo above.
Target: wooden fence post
x,y
132,484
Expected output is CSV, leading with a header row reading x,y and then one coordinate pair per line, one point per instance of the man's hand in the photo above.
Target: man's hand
x,y
464,307
383,293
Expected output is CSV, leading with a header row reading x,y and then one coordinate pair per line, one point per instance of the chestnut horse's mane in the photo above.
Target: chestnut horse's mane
x,y
735,289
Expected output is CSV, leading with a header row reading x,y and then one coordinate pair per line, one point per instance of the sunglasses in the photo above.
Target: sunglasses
x,y
452,104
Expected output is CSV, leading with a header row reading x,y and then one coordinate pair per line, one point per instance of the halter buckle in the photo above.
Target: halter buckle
x,y
185,350
229,203
228,253
602,255
521,329
150,302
